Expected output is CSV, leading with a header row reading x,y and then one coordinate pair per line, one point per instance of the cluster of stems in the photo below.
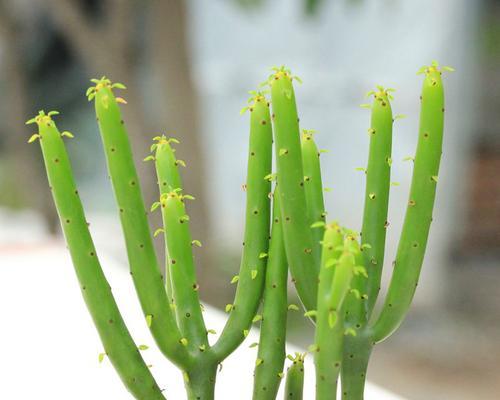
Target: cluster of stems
x,y
336,271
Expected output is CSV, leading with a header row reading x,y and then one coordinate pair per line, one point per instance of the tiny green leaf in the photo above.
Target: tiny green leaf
x,y
254,273
158,231
332,319
235,279
143,347
67,134
257,318
149,320
33,138
293,307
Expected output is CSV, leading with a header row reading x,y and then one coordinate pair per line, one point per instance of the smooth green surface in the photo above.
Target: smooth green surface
x,y
182,273
118,344
378,180
274,315
313,188
167,173
256,239
294,385
413,240
304,266
133,217
329,326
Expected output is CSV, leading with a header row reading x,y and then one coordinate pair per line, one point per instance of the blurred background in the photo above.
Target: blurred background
x,y
188,66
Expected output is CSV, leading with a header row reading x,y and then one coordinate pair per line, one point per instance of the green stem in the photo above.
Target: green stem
x,y
200,381
257,220
378,175
133,217
294,385
357,351
271,355
304,266
117,341
414,235
313,188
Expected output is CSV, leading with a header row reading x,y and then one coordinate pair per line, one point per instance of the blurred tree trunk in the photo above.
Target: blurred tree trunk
x,y
21,160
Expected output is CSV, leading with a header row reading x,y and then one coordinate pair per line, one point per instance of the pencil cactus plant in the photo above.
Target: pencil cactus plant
x,y
336,271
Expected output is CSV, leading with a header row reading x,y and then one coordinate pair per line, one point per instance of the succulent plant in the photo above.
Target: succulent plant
x,y
336,271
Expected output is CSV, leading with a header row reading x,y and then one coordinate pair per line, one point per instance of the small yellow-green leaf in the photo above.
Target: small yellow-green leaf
x,y
245,332
182,163
33,138
318,224
282,152
158,231
235,279
149,320
350,331
332,319
257,318
196,243
149,158
211,331
101,357
263,255
258,362
254,344
118,85
254,273
67,134
310,313
143,347
293,307
229,307
183,341
312,348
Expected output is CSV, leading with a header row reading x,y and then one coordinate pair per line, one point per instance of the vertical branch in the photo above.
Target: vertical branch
x,y
178,108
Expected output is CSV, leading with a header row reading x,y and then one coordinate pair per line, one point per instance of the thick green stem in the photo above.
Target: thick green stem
x,y
169,179
304,266
329,321
313,188
117,341
200,381
255,246
182,274
378,175
413,241
133,217
357,350
294,385
271,355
